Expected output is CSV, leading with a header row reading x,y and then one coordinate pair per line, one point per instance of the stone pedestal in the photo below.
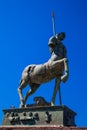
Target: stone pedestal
x,y
39,115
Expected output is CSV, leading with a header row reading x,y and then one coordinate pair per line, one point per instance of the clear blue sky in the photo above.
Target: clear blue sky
x,y
25,27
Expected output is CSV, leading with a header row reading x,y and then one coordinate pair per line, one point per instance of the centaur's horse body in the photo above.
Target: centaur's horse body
x,y
34,75
44,72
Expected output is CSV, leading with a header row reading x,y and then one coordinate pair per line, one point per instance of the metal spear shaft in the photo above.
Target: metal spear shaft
x,y
54,33
53,23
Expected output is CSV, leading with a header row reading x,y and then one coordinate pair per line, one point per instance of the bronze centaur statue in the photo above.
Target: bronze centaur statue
x,y
56,67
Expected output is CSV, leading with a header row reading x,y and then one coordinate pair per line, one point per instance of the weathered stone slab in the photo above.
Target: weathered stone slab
x,y
39,115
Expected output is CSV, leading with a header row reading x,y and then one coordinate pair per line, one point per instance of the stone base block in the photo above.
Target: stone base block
x,y
40,115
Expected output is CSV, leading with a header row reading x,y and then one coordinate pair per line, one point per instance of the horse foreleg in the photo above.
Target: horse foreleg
x,y
57,85
23,84
33,88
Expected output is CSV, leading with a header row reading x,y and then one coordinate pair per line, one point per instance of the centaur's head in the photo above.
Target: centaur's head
x,y
61,36
54,40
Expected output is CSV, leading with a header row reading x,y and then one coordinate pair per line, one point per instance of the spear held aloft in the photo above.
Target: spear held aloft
x,y
53,22
57,83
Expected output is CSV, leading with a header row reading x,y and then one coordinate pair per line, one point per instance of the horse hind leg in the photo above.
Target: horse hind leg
x,y
23,84
33,88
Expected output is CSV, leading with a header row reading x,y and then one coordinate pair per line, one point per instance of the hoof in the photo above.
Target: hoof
x,y
22,103
22,106
52,104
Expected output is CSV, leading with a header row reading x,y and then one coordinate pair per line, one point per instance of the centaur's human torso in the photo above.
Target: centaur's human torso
x,y
45,72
